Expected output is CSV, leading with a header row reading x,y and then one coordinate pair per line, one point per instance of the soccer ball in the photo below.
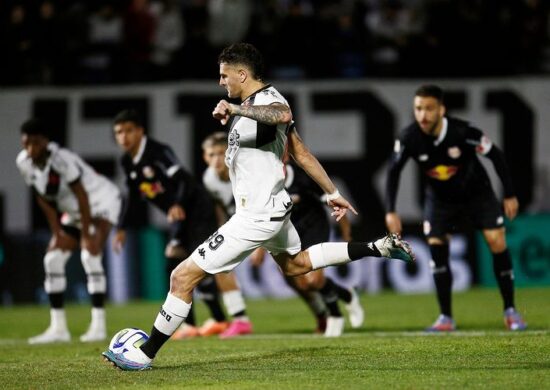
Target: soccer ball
x,y
127,339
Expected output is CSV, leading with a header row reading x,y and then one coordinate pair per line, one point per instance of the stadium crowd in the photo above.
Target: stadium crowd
x,y
66,42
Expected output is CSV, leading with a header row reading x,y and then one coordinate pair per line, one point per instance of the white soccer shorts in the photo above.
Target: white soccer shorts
x,y
108,209
240,236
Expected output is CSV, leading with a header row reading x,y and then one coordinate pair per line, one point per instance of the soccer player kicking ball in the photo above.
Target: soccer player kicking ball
x,y
446,150
64,183
259,133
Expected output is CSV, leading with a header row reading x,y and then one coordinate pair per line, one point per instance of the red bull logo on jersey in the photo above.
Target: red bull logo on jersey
x,y
442,172
151,190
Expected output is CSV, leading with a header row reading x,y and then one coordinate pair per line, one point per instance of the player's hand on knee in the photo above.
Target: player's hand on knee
x,y
511,207
119,238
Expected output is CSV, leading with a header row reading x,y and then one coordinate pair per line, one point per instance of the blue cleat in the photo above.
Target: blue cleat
x,y
393,247
513,320
125,363
442,324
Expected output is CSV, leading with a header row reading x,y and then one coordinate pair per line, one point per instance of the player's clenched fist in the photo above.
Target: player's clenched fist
x,y
222,112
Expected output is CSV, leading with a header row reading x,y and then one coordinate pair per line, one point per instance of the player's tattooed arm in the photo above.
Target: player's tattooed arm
x,y
272,114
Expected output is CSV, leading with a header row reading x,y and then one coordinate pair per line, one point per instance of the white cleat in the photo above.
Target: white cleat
x,y
51,335
393,247
94,334
335,327
355,310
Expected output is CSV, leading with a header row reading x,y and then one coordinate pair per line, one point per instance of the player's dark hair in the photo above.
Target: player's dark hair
x,y
129,115
36,126
215,139
430,90
244,54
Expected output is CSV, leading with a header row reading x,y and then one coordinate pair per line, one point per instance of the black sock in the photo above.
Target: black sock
x,y
210,296
358,250
98,300
56,300
504,274
330,297
342,292
443,277
154,343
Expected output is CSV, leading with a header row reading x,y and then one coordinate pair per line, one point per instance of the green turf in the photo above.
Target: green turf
x,y
389,352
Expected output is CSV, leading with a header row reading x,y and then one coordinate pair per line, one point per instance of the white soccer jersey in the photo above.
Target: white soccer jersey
x,y
254,157
53,183
220,190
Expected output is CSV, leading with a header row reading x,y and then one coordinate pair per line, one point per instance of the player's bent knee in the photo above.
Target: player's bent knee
x,y
54,268
93,266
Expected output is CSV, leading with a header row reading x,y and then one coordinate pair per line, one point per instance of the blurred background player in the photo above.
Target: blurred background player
x,y
310,220
64,183
154,173
446,150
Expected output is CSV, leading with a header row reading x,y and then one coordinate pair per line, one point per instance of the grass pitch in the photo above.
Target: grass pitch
x,y
391,351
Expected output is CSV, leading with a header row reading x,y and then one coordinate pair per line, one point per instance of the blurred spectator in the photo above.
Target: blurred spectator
x,y
104,40
56,42
229,21
169,38
139,33
16,43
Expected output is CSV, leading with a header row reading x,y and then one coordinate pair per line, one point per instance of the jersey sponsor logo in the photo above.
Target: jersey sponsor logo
x,y
151,190
454,152
442,172
500,220
148,172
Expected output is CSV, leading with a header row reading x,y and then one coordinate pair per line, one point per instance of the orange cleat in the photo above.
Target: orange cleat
x,y
212,327
186,331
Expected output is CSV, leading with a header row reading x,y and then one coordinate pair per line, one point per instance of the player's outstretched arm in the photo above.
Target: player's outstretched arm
x,y
272,114
309,163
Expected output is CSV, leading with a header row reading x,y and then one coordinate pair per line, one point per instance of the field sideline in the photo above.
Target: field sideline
x,y
391,351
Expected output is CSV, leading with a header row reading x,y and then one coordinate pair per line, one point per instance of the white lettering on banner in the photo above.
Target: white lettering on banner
x,y
367,274
314,117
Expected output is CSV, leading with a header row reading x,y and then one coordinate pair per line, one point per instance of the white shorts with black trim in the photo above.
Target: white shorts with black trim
x,y
239,237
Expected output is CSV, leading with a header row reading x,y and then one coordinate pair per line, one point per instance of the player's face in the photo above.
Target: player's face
x,y
428,112
128,136
214,156
231,78
36,147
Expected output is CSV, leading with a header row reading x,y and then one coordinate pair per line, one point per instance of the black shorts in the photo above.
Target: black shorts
x,y
312,230
199,224
441,218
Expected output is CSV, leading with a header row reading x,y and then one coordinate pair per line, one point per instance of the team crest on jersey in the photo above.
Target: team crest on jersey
x,y
423,157
233,139
454,152
148,172
133,175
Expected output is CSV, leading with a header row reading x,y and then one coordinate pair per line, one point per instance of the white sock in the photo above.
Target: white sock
x,y
58,319
171,315
98,318
328,253
233,301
